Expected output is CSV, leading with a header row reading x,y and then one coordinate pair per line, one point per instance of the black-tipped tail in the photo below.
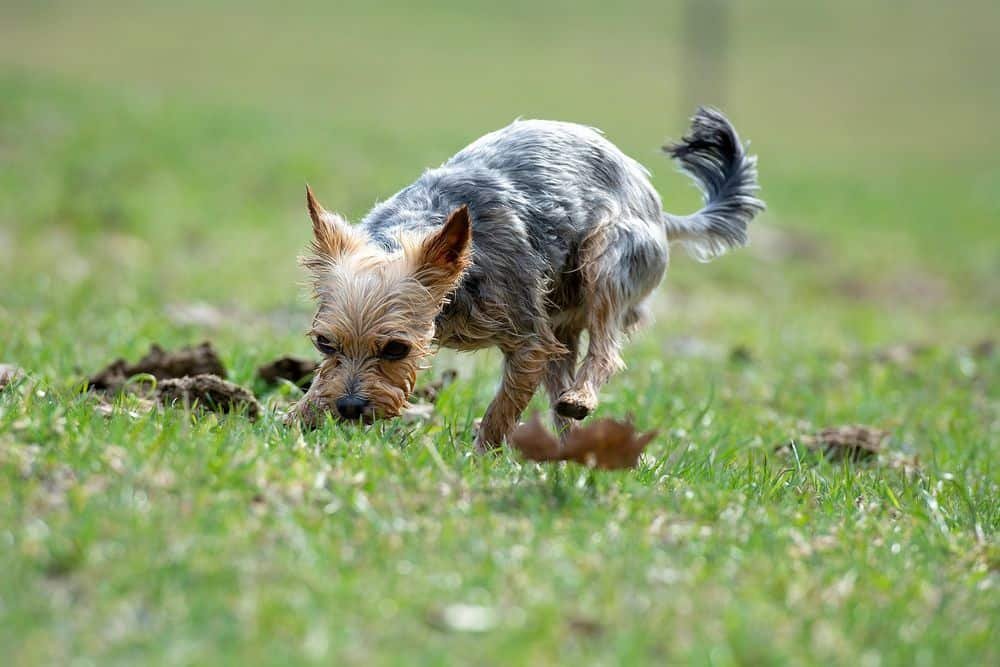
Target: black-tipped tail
x,y
714,157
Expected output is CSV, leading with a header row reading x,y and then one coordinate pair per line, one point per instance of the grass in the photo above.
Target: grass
x,y
141,173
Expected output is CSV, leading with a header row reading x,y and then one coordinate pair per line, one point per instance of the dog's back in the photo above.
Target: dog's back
x,y
536,190
558,179
565,171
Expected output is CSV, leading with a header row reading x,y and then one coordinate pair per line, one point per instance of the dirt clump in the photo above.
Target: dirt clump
x,y
853,442
162,365
296,370
209,392
192,375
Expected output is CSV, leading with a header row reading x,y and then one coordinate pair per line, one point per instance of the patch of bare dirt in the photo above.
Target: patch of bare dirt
x,y
605,443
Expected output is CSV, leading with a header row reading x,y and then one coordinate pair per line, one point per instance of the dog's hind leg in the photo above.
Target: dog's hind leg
x,y
603,359
622,264
560,373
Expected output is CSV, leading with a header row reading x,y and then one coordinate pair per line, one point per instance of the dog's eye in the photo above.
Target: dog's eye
x,y
394,350
324,345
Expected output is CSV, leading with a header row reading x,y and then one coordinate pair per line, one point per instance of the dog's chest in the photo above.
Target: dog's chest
x,y
461,324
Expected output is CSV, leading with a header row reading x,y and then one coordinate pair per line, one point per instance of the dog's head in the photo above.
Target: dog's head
x,y
374,323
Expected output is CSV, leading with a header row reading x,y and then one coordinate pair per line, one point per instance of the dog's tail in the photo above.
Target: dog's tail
x,y
714,157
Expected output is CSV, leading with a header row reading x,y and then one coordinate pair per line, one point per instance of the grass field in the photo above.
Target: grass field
x,y
152,160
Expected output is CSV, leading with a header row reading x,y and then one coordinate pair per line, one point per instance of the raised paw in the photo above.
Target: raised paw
x,y
575,405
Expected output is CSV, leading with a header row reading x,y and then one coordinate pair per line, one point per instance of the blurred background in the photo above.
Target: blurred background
x,y
153,154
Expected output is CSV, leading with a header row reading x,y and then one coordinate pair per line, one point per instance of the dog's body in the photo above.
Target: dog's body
x,y
523,240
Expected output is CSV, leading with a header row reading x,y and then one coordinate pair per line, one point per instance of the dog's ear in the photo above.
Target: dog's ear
x,y
447,253
332,236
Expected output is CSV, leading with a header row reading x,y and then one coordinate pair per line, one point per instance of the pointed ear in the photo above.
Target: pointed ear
x,y
332,236
447,253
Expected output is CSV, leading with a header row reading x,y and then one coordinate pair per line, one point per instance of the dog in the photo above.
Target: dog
x,y
522,241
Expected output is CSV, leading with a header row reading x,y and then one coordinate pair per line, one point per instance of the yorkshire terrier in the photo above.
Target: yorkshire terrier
x,y
525,239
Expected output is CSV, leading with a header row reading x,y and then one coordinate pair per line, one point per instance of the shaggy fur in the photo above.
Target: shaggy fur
x,y
523,240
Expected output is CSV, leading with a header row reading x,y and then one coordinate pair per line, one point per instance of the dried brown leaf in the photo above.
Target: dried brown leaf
x,y
535,442
605,443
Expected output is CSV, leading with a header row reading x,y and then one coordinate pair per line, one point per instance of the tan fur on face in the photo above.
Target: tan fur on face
x,y
368,297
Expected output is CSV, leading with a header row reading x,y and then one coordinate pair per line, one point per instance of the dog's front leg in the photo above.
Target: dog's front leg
x,y
523,370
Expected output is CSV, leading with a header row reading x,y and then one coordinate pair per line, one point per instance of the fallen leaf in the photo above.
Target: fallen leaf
x,y
209,392
605,443
430,391
535,442
841,443
296,370
193,360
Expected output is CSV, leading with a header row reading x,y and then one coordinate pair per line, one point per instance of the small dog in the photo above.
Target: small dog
x,y
525,239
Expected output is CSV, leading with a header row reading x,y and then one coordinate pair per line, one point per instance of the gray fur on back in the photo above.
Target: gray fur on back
x,y
536,190
550,180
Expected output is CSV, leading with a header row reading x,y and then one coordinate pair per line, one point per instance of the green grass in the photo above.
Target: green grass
x,y
154,157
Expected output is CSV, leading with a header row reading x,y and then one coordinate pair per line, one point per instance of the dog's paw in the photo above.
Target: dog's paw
x,y
488,440
573,405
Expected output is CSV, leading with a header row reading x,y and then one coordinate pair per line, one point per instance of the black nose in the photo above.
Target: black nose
x,y
351,407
